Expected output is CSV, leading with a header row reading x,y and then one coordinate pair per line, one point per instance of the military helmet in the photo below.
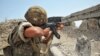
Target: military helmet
x,y
36,15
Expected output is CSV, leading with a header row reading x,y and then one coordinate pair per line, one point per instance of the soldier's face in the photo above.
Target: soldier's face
x,y
37,21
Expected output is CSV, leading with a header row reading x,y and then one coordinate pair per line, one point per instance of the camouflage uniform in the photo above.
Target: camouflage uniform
x,y
20,46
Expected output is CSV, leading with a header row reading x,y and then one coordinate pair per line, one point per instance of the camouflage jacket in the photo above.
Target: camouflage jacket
x,y
26,47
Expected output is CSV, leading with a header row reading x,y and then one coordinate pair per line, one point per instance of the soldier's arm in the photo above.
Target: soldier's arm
x,y
16,37
24,32
33,31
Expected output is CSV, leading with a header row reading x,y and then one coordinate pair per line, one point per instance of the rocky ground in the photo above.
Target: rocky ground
x,y
74,42
66,45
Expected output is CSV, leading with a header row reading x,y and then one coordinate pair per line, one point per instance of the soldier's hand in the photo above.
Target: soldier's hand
x,y
33,32
47,32
47,35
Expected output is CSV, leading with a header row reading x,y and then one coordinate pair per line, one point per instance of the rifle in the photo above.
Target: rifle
x,y
53,23
53,28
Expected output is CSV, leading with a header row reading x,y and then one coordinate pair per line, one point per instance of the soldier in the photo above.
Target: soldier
x,y
30,38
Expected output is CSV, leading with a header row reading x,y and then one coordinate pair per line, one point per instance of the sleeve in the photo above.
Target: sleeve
x,y
16,37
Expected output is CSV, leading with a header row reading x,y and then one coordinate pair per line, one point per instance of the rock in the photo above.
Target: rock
x,y
83,46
